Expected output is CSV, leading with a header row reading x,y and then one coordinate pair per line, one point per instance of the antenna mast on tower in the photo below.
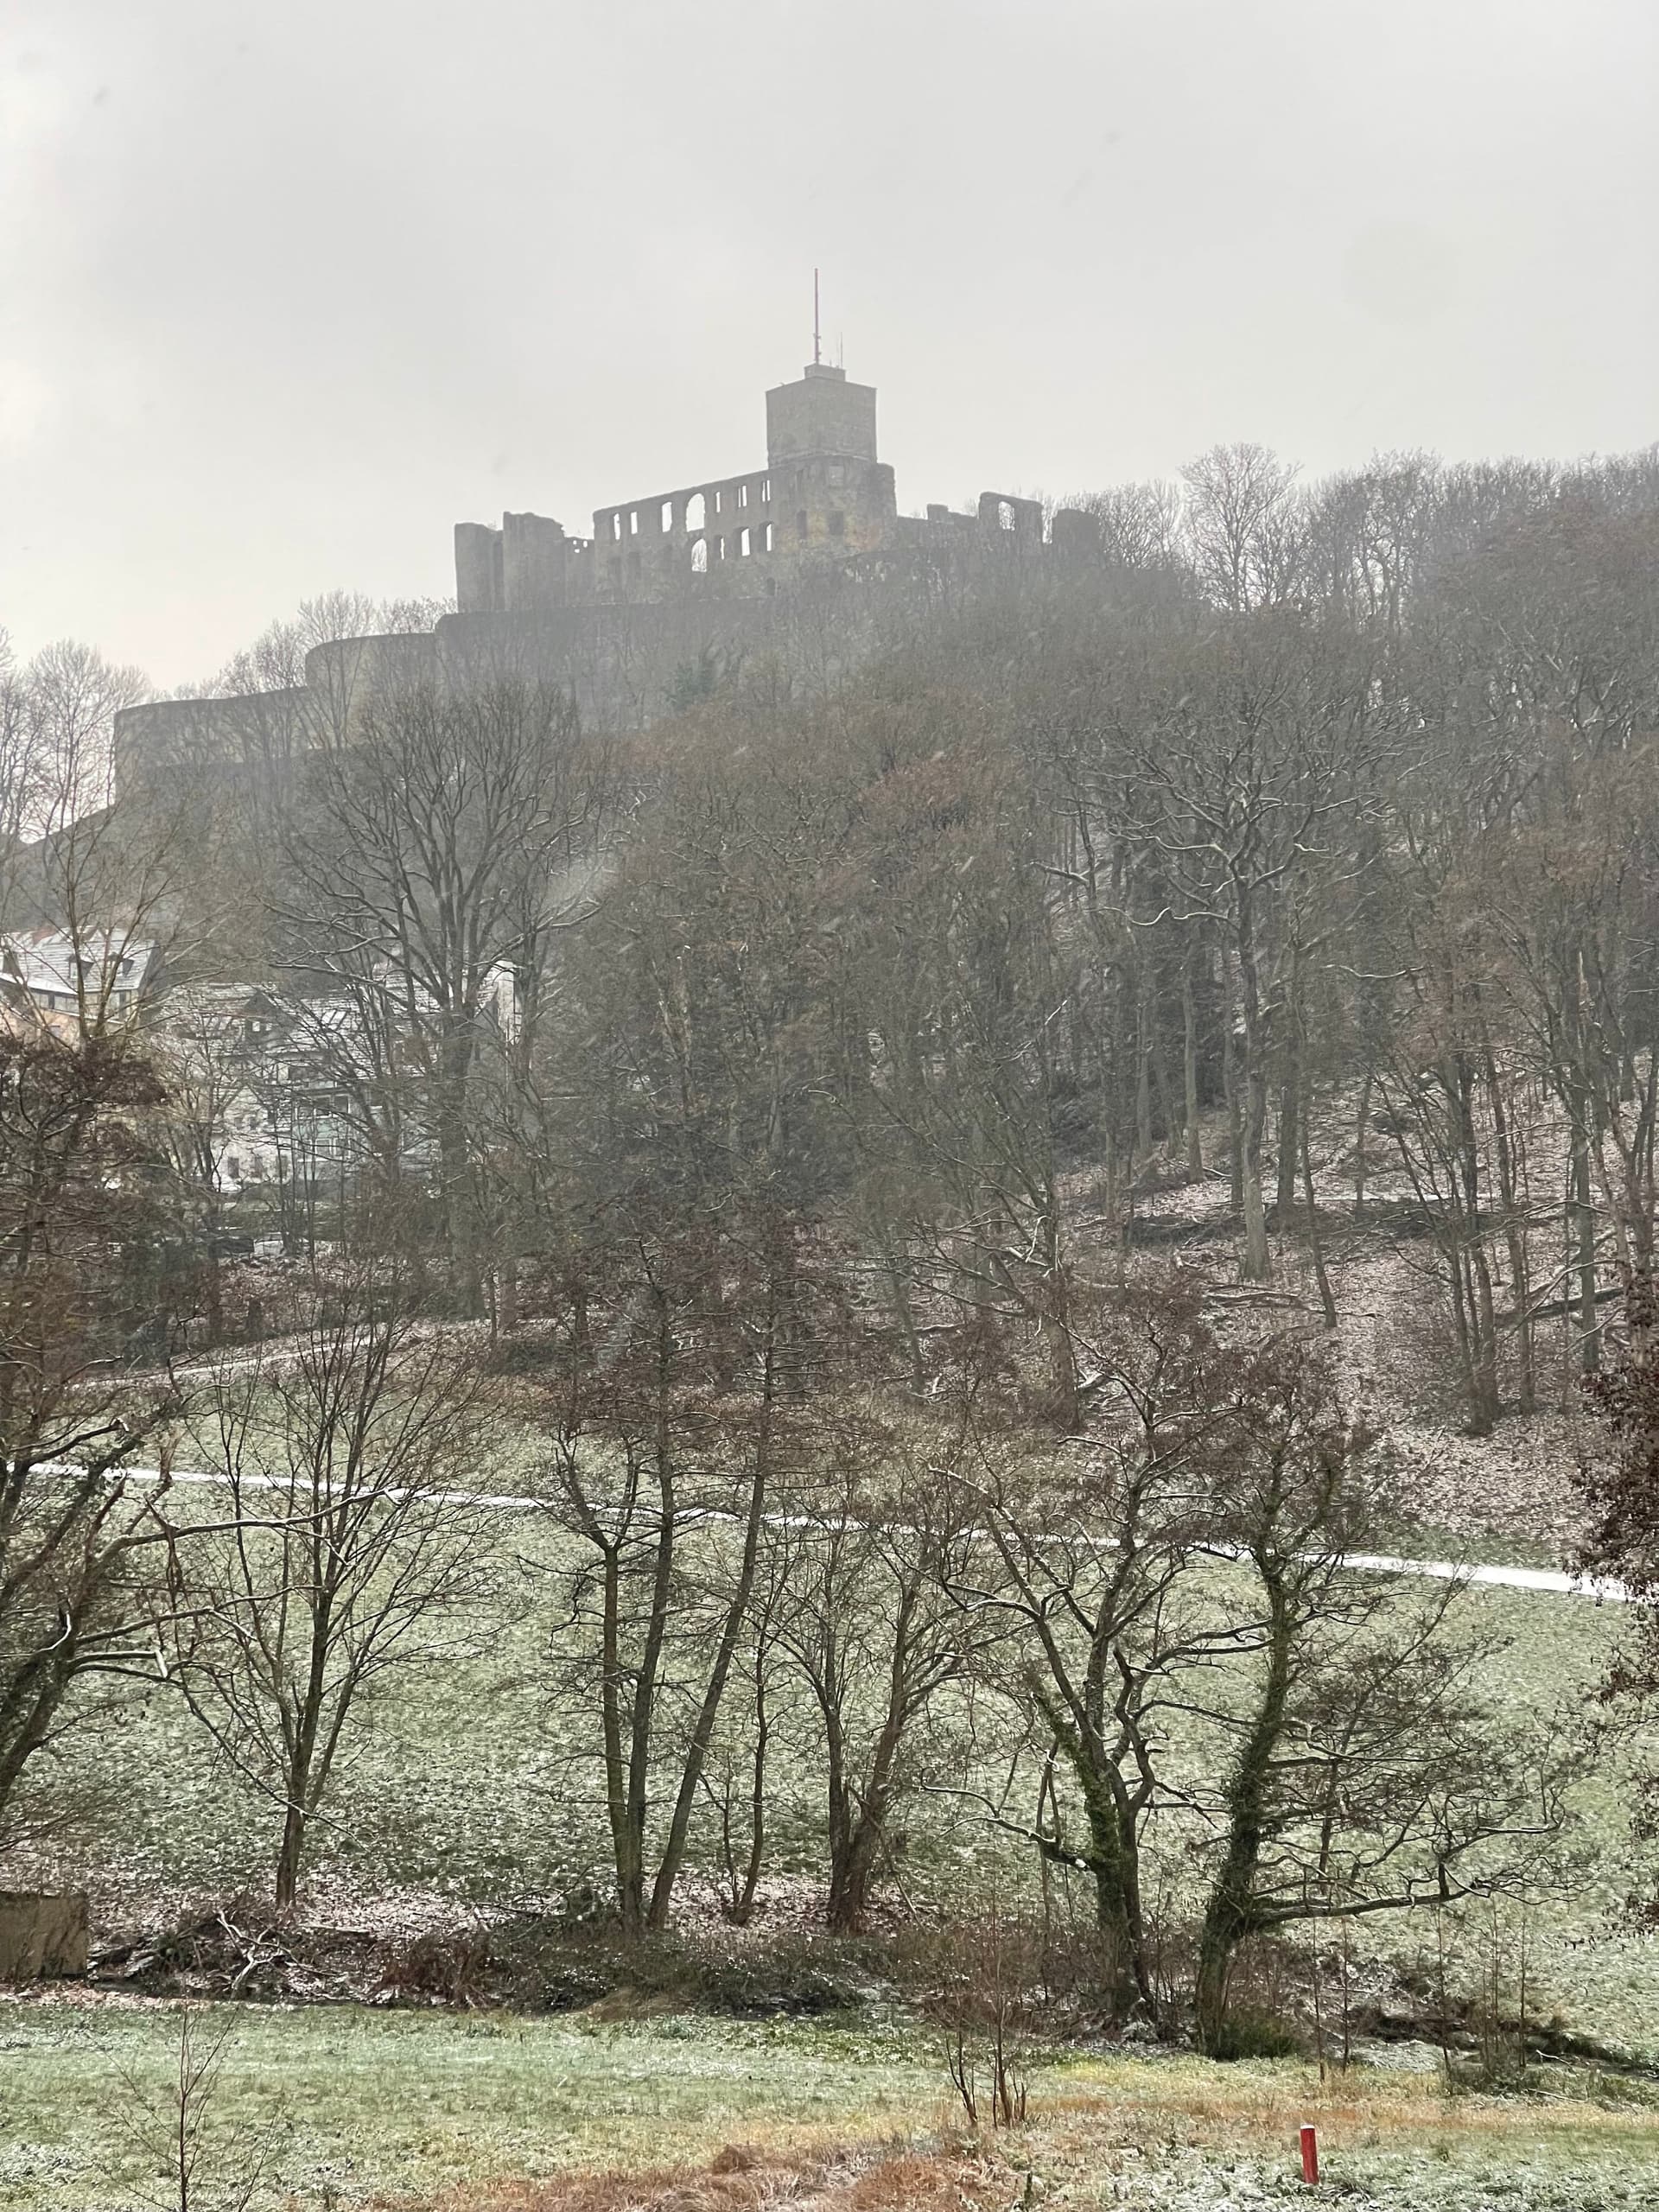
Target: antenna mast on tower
x,y
816,355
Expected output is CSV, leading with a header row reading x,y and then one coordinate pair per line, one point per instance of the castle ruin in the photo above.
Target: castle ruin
x,y
793,559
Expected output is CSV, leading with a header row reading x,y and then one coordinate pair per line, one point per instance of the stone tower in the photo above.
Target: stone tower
x,y
827,488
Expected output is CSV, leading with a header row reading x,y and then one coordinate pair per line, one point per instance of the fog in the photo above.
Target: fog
x,y
285,293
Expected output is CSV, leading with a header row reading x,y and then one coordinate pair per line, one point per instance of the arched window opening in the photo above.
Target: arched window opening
x,y
1005,514
665,520
700,556
742,544
616,528
766,539
694,512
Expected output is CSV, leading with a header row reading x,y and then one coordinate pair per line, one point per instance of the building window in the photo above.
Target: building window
x,y
766,492
616,529
694,512
742,544
665,520
633,522
716,501
700,556
742,495
765,539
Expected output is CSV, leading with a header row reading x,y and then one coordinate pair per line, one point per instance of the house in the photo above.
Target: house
x,y
68,983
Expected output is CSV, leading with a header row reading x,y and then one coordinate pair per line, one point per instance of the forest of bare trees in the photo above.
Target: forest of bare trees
x,y
761,1144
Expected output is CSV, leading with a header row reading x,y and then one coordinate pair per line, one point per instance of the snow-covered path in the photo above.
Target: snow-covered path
x,y
1549,1581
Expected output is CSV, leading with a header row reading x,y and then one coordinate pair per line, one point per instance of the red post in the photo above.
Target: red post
x,y
1310,2154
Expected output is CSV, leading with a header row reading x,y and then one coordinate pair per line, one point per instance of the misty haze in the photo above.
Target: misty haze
x,y
829,1106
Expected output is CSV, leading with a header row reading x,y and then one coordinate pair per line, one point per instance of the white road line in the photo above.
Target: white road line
x,y
1549,1581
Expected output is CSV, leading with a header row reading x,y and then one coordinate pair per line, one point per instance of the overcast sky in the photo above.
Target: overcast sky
x,y
288,288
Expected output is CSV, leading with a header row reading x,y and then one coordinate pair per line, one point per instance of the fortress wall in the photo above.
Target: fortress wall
x,y
807,560
345,676
166,735
621,661
537,558
479,581
269,729
645,548
1018,521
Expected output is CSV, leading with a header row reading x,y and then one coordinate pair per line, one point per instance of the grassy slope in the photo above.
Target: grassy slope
x,y
373,2104
380,2100
464,1784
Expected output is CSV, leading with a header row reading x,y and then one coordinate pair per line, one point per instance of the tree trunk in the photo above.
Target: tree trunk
x,y
455,1159
852,1870
289,1858
1361,1125
1290,1099
1190,1061
1230,1914
1230,1087
673,1857
1113,1861
855,1845
1316,1242
1254,1267
1583,1209
1515,1237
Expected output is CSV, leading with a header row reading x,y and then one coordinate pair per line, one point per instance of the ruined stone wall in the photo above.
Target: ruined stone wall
x,y
265,731
806,561
664,544
481,583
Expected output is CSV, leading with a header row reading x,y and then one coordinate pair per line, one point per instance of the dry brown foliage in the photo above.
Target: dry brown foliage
x,y
742,2178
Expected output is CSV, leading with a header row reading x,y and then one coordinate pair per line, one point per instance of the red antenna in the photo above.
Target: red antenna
x,y
815,355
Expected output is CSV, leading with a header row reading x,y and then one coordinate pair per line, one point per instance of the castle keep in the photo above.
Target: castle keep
x,y
792,559
823,486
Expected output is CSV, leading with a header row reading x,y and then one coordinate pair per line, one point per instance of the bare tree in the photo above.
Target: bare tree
x,y
349,1553
1369,1771
1244,525
197,2158
1089,1538
84,1208
874,1545
665,1483
1243,770
444,846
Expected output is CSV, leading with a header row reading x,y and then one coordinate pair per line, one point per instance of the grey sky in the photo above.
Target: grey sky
x,y
286,290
